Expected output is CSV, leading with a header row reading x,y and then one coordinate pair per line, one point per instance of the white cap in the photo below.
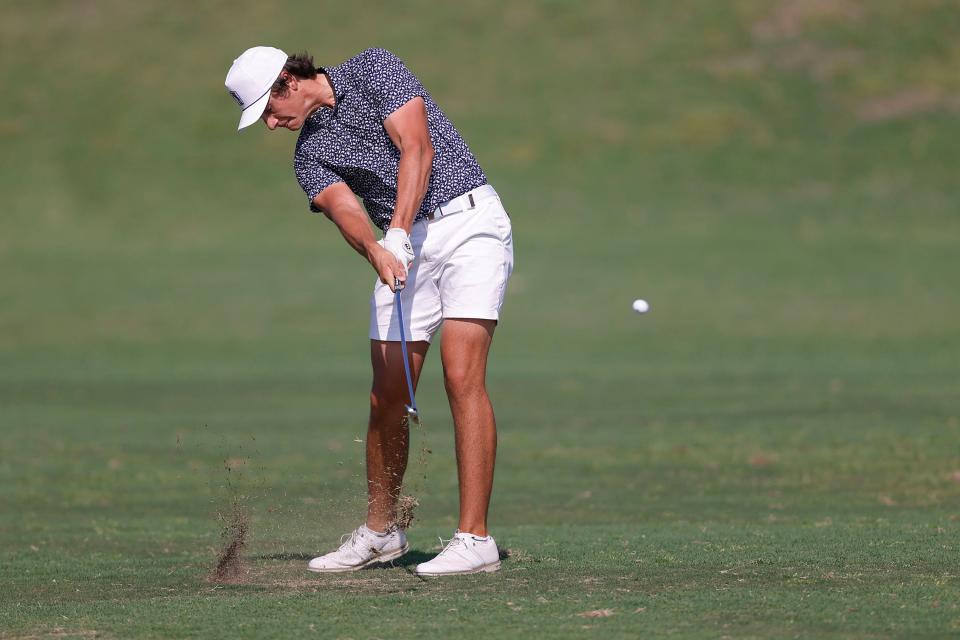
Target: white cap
x,y
250,78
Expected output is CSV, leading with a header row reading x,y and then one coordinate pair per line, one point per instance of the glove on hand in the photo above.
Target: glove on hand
x,y
397,242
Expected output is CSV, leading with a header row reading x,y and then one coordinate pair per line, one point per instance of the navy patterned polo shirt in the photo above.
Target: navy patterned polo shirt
x,y
348,143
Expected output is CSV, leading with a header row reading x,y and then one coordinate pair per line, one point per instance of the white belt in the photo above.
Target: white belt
x,y
462,203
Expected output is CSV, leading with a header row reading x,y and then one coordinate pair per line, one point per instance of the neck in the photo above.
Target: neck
x,y
321,93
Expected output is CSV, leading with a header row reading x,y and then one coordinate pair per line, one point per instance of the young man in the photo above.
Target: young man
x,y
368,128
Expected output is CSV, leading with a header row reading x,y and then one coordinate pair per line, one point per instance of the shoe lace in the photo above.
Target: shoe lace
x,y
450,545
349,544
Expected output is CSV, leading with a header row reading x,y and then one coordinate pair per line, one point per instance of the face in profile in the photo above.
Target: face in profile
x,y
287,109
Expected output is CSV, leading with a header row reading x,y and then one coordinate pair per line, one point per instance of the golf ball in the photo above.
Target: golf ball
x,y
641,306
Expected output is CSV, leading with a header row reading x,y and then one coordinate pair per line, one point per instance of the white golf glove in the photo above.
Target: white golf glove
x,y
397,242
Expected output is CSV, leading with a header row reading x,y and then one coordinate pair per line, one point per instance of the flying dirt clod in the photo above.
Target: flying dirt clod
x,y
230,567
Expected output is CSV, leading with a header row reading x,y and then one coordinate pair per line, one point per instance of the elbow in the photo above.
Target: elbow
x,y
420,148
426,157
424,151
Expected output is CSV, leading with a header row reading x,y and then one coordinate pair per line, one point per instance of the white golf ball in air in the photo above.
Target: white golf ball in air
x,y
641,306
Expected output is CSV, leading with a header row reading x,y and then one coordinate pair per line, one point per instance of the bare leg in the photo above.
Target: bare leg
x,y
464,350
388,440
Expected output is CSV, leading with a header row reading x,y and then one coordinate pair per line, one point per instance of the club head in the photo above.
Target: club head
x,y
413,416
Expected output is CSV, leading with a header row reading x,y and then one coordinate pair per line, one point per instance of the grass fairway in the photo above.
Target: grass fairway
x,y
772,451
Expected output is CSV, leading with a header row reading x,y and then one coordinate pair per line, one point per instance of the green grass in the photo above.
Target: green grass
x,y
770,452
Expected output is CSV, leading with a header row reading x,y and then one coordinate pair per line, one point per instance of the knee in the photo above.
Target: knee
x,y
461,381
385,399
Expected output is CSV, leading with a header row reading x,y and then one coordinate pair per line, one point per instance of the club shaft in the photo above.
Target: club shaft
x,y
403,348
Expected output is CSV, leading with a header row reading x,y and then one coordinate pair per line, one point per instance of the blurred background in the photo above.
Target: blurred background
x,y
757,169
777,177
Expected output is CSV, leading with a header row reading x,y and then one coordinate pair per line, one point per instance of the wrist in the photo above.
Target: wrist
x,y
370,249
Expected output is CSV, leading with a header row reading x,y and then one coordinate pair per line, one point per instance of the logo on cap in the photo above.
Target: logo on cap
x,y
236,96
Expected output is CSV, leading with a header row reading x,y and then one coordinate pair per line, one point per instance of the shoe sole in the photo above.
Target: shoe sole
x,y
487,568
387,557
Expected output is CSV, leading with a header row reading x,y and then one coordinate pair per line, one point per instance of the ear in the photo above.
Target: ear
x,y
293,82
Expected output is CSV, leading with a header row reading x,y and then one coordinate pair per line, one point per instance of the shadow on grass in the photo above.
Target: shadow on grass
x,y
408,559
406,562
412,558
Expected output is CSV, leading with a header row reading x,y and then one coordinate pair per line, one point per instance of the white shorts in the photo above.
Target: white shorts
x,y
463,261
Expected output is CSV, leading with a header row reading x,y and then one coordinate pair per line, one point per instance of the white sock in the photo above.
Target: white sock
x,y
475,536
378,534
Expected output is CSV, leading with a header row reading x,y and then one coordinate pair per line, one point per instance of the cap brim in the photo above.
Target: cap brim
x,y
252,113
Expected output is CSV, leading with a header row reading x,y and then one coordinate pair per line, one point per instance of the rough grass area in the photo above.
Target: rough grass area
x,y
771,451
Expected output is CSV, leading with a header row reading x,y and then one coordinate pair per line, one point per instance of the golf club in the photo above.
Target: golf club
x,y
413,416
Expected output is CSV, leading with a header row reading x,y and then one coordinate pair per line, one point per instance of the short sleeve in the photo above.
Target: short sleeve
x,y
388,82
313,178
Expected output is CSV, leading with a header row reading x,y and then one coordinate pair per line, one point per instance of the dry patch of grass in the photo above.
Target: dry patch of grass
x,y
908,102
779,42
597,613
790,18
55,632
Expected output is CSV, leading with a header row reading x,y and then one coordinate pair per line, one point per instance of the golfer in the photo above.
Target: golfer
x,y
369,129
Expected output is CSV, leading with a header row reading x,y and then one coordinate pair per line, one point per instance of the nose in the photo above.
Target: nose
x,y
271,121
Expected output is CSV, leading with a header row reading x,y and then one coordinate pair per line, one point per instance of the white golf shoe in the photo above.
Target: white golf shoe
x,y
465,553
363,547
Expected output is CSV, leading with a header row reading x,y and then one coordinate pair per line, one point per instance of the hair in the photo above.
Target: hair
x,y
299,65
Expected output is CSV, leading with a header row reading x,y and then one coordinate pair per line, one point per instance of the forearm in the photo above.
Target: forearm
x,y
355,229
340,204
413,179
